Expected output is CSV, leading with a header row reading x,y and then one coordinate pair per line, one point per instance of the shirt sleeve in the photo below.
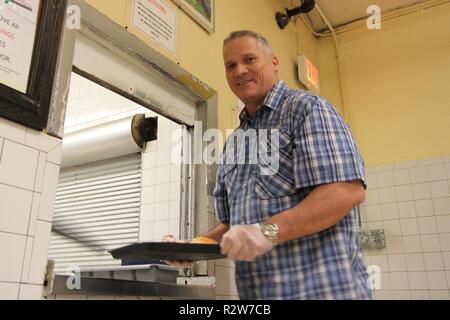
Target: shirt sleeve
x,y
221,197
324,149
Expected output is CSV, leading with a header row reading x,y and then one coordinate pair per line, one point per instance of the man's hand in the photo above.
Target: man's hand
x,y
244,242
176,263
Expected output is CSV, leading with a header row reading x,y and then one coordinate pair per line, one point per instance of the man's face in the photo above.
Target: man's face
x,y
251,70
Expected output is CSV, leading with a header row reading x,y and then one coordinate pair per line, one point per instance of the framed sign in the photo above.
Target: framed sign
x,y
201,11
30,34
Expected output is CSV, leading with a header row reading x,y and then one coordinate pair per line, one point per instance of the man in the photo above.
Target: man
x,y
293,234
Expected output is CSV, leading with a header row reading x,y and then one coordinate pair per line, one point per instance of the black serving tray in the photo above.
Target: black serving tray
x,y
169,251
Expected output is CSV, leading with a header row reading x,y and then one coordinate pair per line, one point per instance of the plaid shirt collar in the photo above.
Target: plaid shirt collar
x,y
272,101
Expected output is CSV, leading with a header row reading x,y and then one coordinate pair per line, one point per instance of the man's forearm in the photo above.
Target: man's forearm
x,y
217,232
321,209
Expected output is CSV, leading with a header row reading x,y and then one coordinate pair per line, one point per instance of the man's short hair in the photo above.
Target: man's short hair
x,y
247,33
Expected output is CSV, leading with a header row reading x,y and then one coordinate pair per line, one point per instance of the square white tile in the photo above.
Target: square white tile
x,y
162,192
427,225
422,191
175,191
430,243
373,213
415,262
148,195
372,197
15,209
54,155
402,177
387,195
406,209
437,172
446,258
12,248
147,212
443,224
40,140
372,181
39,255
412,244
433,261
385,179
424,208
174,228
18,165
418,280
404,193
163,158
389,211
163,175
48,195
397,262
149,177
442,206
12,131
161,228
437,280
419,174
381,261
444,240
420,295
9,291
392,228
395,245
146,231
399,281
161,211
440,189
409,226
30,292
174,209
149,160
175,173
439,295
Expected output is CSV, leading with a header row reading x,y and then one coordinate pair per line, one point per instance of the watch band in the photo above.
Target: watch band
x,y
270,231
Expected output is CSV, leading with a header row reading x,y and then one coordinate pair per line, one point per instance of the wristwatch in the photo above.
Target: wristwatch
x,y
270,231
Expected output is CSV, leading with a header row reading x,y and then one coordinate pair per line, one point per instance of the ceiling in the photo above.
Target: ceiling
x,y
341,12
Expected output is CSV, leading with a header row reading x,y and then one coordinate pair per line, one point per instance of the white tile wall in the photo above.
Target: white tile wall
x,y
411,201
23,159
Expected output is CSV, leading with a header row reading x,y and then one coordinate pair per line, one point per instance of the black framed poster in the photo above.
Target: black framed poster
x,y
30,34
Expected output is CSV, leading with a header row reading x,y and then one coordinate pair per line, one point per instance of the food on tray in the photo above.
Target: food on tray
x,y
204,240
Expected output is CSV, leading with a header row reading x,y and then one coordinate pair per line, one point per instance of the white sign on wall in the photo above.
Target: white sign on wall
x,y
157,20
18,21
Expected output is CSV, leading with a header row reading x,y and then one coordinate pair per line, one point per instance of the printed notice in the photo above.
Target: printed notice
x,y
18,20
157,20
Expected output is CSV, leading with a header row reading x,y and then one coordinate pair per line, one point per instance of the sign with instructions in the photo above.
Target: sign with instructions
x,y
18,25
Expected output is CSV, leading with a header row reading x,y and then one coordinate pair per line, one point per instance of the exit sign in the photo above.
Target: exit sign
x,y
308,74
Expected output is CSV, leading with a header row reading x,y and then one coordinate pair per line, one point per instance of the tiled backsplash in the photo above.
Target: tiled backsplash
x,y
411,202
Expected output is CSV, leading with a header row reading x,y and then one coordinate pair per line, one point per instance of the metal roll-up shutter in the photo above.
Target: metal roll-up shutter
x,y
96,209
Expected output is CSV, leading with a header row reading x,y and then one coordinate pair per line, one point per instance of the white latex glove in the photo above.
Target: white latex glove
x,y
176,263
244,242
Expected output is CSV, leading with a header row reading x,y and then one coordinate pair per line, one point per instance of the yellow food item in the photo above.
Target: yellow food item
x,y
204,240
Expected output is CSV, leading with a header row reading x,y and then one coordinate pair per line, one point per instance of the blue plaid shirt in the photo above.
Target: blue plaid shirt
x,y
316,147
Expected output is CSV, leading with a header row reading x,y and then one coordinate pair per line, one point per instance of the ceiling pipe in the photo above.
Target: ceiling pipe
x,y
284,18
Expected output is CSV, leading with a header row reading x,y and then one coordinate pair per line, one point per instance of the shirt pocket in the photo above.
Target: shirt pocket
x,y
230,178
280,182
